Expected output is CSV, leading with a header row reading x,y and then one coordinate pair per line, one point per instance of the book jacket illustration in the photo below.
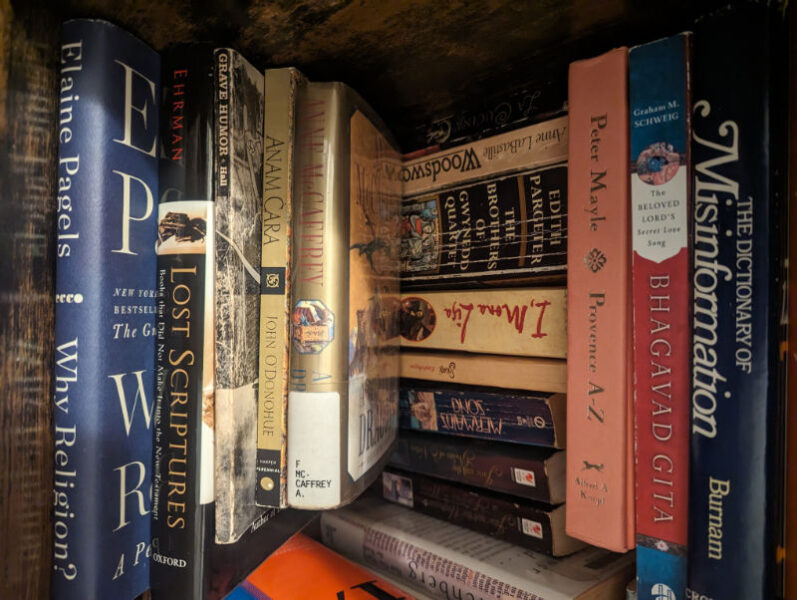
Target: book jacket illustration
x,y
104,312
239,114
660,221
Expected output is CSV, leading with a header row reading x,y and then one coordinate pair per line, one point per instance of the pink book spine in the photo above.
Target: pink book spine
x,y
600,484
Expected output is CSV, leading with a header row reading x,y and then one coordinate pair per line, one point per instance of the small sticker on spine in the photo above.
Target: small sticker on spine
x,y
524,477
531,527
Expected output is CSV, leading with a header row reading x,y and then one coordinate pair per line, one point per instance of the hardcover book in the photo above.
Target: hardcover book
x,y
504,415
104,312
284,574
489,370
524,471
282,87
660,216
532,525
739,195
600,457
448,561
342,405
183,491
516,322
527,148
510,229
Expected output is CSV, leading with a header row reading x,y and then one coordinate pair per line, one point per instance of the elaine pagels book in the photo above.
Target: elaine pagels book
x,y
104,312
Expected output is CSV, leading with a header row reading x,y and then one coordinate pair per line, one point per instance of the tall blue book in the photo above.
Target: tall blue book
x,y
105,311
739,152
659,171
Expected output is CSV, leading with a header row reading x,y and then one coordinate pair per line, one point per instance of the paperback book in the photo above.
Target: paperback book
x,y
516,322
104,312
504,415
238,179
342,409
520,150
539,527
448,561
489,370
524,471
506,230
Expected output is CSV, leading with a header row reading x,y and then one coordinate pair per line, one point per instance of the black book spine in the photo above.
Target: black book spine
x,y
739,151
522,523
183,430
507,468
508,230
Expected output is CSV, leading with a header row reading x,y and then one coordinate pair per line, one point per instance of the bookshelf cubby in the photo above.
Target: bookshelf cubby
x,y
408,58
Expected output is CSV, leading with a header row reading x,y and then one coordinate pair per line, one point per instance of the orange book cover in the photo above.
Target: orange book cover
x,y
600,484
303,568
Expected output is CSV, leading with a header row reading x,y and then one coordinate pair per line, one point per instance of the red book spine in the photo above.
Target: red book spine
x,y
600,490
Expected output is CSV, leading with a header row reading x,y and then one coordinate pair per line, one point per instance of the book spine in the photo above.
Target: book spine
x,y
526,525
319,372
508,110
525,419
104,312
521,322
429,566
512,372
660,215
533,146
238,177
182,515
344,360
496,467
496,230
600,501
738,154
282,88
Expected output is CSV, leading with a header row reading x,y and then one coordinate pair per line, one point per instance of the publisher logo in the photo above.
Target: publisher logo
x,y
661,591
272,280
462,161
595,260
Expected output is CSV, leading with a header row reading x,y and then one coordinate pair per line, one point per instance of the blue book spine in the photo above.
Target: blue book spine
x,y
659,108
105,311
524,418
739,194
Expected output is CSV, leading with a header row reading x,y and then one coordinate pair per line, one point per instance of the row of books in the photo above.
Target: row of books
x,y
218,229
676,240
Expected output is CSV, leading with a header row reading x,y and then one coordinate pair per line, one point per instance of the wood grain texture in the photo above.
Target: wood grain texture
x,y
27,168
407,58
